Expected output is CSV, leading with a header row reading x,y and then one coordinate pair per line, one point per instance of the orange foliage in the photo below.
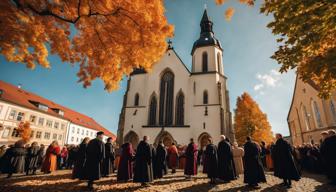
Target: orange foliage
x,y
229,13
24,131
108,38
220,2
251,121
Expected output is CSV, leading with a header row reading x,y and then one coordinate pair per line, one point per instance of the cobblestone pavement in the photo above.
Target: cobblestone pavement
x,y
61,181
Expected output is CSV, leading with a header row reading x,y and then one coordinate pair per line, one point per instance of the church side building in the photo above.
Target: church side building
x,y
309,115
172,103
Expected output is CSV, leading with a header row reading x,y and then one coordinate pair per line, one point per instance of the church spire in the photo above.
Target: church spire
x,y
206,24
207,37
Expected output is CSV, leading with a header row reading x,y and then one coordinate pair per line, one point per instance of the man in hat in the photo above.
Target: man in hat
x,y
95,154
108,163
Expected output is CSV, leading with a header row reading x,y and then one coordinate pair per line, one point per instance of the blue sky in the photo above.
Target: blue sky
x,y
247,45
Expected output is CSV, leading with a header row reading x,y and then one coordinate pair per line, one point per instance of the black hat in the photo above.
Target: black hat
x,y
100,133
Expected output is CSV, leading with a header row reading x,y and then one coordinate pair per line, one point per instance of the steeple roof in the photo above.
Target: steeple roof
x,y
207,37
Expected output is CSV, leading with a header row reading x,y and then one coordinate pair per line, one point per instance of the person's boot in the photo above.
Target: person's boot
x,y
90,185
9,175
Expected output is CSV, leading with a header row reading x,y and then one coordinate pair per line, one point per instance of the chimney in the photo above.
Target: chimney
x,y
1,92
19,86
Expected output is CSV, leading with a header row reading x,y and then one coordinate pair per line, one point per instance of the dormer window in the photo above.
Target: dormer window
x,y
42,107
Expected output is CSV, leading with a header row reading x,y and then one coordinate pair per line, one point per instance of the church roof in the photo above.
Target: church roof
x,y
207,37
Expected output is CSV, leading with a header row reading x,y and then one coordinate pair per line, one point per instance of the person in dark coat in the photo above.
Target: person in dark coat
x,y
95,154
31,163
108,163
284,165
253,169
143,163
263,154
15,159
154,165
161,165
226,170
328,154
79,159
72,156
211,161
41,156
125,169
191,160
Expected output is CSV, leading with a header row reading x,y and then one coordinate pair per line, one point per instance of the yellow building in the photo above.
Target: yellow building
x,y
309,115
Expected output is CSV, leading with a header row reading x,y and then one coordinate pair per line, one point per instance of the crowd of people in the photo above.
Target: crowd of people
x,y
224,162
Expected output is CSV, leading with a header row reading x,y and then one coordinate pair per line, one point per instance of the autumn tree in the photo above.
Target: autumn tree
x,y
306,31
107,38
24,131
250,121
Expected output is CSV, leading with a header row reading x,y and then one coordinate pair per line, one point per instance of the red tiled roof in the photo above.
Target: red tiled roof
x,y
26,99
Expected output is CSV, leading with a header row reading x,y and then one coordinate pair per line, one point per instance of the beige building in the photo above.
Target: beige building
x,y
48,120
309,115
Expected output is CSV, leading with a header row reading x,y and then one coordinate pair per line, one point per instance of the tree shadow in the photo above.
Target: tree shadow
x,y
199,187
277,187
325,188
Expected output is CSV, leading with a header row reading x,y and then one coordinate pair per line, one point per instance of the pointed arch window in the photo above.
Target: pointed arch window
x,y
166,98
152,111
333,110
179,109
205,97
205,62
136,99
317,115
219,62
305,117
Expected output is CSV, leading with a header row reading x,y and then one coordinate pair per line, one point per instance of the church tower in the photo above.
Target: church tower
x,y
207,51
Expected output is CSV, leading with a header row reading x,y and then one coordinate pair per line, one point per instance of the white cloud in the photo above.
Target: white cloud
x,y
267,80
258,87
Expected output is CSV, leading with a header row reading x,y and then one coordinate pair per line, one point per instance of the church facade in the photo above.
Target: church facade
x,y
173,104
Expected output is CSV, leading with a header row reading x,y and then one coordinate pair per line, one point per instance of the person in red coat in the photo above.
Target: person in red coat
x,y
191,160
173,157
125,168
50,162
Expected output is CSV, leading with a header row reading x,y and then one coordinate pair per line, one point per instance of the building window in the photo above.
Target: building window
x,y
56,125
38,135
136,99
317,115
32,119
87,132
72,138
333,110
166,98
41,121
78,131
204,62
15,133
54,136
77,139
12,114
305,117
20,116
152,111
205,97
62,126
60,137
49,123
82,131
43,107
6,132
219,62
46,135
180,109
32,134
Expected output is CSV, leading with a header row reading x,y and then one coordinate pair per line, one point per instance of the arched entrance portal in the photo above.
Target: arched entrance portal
x,y
203,140
133,138
166,137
